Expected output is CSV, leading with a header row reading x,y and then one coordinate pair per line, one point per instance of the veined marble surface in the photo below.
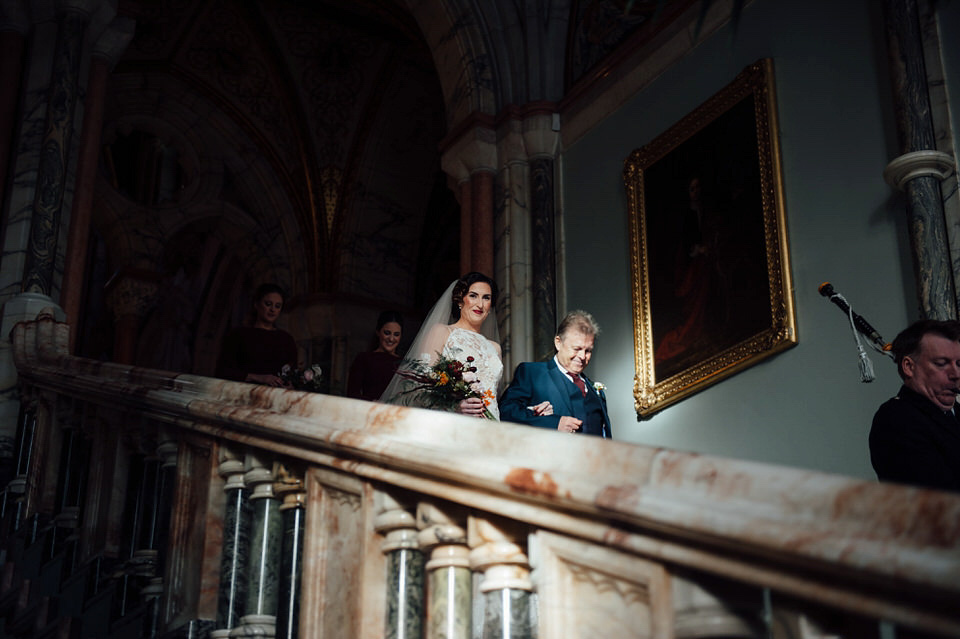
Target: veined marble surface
x,y
788,529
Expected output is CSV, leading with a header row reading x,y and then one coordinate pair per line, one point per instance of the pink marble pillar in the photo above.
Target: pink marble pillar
x,y
481,213
71,295
11,58
129,295
466,226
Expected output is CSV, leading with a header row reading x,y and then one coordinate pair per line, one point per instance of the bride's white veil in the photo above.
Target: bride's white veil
x,y
441,313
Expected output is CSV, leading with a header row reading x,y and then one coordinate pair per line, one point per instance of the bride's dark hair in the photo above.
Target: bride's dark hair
x,y
463,286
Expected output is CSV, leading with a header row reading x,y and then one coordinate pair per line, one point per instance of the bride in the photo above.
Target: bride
x,y
467,303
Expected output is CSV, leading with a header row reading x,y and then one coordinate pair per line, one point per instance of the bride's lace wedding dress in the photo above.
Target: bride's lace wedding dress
x,y
459,344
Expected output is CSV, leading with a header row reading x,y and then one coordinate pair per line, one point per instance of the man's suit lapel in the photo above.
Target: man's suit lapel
x,y
559,380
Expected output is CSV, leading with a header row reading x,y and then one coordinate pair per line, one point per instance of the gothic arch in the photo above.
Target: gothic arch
x,y
458,41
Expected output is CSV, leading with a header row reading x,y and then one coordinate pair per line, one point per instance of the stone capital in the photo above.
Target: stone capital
x,y
918,164
496,551
541,135
395,522
289,486
132,293
13,16
114,40
440,526
85,7
470,149
511,146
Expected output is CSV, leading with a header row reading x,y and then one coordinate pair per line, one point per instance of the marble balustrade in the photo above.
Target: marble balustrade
x,y
411,523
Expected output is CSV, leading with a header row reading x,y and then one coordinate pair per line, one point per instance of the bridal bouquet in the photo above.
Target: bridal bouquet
x,y
304,379
446,383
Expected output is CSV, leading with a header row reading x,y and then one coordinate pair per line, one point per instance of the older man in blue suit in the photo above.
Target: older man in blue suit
x,y
556,394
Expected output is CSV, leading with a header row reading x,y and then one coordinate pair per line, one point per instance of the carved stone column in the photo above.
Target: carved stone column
x,y
928,233
506,585
541,136
236,544
404,618
55,151
449,587
130,294
513,253
266,534
289,487
526,221
13,29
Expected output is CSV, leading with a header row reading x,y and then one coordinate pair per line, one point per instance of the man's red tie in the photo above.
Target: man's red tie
x,y
579,382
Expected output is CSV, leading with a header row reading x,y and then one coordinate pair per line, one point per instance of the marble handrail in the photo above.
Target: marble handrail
x,y
873,549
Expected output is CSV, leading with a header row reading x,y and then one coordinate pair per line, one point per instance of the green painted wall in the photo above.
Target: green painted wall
x,y
805,407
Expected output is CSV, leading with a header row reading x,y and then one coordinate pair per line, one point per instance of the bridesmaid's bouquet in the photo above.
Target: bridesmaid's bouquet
x,y
302,379
446,383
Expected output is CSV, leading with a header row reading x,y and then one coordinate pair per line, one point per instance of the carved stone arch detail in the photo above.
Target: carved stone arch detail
x,y
461,54
169,133
228,168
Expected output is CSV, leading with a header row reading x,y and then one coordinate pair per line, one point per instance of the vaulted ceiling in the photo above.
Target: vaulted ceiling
x,y
300,140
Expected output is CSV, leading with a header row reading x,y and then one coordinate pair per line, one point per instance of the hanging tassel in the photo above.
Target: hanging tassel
x,y
864,364
866,368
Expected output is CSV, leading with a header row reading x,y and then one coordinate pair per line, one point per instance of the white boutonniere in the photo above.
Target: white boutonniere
x,y
599,386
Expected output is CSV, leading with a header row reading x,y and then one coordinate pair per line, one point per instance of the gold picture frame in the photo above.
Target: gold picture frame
x,y
709,261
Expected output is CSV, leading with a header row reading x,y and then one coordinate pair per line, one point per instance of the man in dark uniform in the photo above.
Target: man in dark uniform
x,y
915,438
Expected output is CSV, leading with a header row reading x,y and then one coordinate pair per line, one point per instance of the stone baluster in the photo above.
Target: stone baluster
x,y
795,618
145,554
167,452
260,611
138,560
506,584
706,607
449,580
290,489
404,618
26,430
71,482
156,538
236,544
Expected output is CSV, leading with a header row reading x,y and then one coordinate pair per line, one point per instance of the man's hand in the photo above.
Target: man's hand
x,y
569,424
543,408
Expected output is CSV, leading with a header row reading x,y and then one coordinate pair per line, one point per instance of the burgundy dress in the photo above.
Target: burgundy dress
x,y
259,351
370,374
